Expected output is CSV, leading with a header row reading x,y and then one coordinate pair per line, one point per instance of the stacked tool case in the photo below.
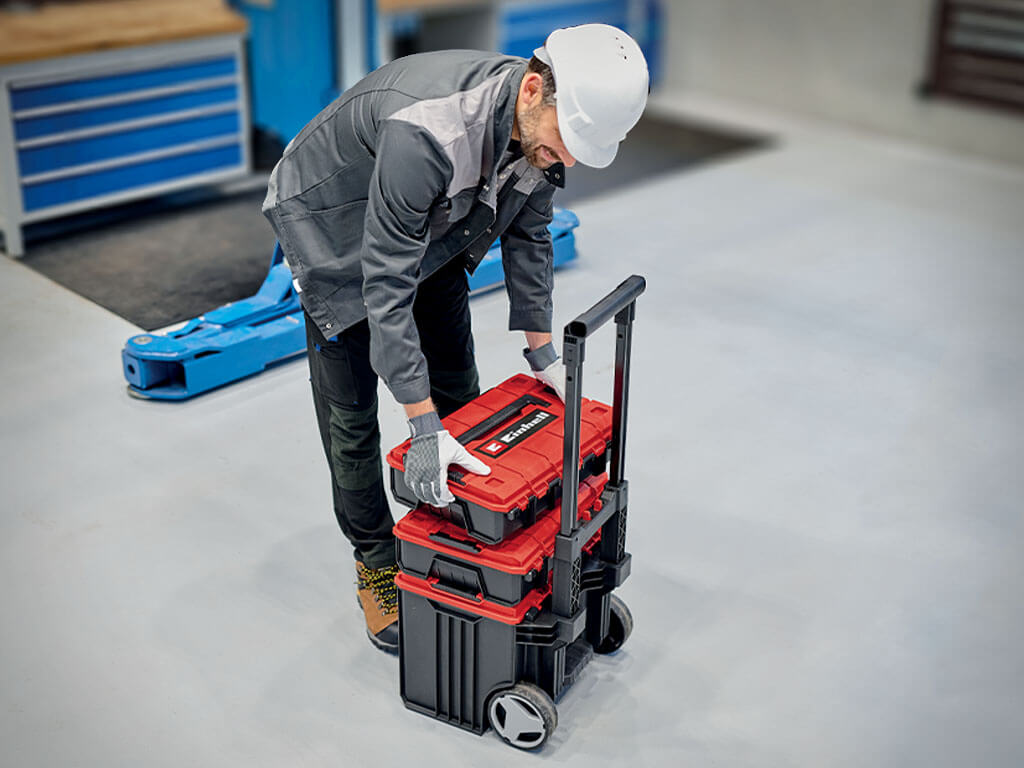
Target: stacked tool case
x,y
506,595
516,428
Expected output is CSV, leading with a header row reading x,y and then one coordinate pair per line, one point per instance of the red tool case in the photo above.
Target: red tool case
x,y
493,630
516,428
445,559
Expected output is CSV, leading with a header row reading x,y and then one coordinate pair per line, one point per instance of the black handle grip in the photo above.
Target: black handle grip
x,y
460,591
451,541
499,418
455,577
599,314
620,304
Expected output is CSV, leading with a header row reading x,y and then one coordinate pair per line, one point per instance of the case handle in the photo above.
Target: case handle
x,y
450,541
456,578
496,420
453,590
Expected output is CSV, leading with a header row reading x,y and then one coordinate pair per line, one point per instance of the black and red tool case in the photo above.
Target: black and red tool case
x,y
491,633
508,575
516,428
474,619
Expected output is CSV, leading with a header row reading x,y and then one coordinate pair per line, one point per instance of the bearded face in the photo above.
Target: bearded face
x,y
539,137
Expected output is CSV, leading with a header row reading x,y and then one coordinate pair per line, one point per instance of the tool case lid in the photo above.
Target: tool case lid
x,y
519,554
478,606
516,428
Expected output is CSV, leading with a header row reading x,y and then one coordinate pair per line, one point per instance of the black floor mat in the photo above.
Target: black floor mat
x,y
159,262
162,262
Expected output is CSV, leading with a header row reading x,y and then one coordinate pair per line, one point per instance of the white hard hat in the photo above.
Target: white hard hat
x,y
601,86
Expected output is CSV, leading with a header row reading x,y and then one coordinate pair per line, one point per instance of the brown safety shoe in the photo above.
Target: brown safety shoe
x,y
378,597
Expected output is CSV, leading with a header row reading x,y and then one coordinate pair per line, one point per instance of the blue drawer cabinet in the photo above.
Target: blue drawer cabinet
x,y
67,155
104,128
88,117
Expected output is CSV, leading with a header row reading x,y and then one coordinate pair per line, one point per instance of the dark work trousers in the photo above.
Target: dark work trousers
x,y
345,398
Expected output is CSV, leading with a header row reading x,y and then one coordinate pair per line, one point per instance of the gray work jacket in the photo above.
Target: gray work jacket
x,y
396,177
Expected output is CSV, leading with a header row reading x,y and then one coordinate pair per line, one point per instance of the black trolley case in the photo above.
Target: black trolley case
x,y
478,657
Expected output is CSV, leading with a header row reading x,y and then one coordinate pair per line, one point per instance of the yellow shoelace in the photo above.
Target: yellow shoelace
x,y
381,583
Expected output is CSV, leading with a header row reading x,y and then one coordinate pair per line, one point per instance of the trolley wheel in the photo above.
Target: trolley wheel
x,y
523,715
620,626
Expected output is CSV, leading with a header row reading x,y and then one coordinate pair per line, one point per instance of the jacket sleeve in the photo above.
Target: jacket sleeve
x,y
411,172
527,258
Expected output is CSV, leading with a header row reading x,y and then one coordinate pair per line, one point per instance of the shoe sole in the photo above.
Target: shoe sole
x,y
382,646
377,642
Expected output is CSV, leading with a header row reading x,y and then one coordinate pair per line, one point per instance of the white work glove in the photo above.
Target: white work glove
x,y
547,368
426,463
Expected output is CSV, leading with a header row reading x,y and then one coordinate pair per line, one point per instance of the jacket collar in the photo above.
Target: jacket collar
x,y
504,115
555,174
505,112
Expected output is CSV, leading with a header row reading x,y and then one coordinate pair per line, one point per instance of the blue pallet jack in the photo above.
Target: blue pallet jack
x,y
246,337
221,346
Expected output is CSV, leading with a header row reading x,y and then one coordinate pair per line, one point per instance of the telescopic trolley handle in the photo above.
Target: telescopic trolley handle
x,y
620,304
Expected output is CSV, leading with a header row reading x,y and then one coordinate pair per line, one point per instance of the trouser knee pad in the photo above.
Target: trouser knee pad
x,y
355,447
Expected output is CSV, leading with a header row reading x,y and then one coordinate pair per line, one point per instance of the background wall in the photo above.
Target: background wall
x,y
858,62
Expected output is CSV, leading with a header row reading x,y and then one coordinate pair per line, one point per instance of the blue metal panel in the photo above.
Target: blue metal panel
x,y
525,26
87,118
61,191
372,43
291,55
94,87
651,39
71,153
559,11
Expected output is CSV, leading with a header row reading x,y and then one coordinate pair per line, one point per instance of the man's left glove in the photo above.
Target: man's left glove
x,y
547,367
426,464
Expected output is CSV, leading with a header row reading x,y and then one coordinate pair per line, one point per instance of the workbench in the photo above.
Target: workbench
x,y
102,102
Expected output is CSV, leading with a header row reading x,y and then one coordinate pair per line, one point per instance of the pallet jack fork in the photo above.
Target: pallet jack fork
x,y
245,337
233,341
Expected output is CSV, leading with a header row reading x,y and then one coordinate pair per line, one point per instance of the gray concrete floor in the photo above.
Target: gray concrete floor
x,y
825,458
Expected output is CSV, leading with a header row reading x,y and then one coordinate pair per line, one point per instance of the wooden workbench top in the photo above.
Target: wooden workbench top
x,y
68,28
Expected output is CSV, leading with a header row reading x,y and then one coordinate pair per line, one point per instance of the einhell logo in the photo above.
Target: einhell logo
x,y
522,429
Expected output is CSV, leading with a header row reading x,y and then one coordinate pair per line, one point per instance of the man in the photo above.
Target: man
x,y
384,202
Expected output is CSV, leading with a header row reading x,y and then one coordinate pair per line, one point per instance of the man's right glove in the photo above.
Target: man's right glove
x,y
426,464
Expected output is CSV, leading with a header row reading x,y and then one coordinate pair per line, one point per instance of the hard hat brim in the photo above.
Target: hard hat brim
x,y
583,151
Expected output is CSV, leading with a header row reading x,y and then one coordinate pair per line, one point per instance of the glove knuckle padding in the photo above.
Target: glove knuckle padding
x,y
423,466
426,466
